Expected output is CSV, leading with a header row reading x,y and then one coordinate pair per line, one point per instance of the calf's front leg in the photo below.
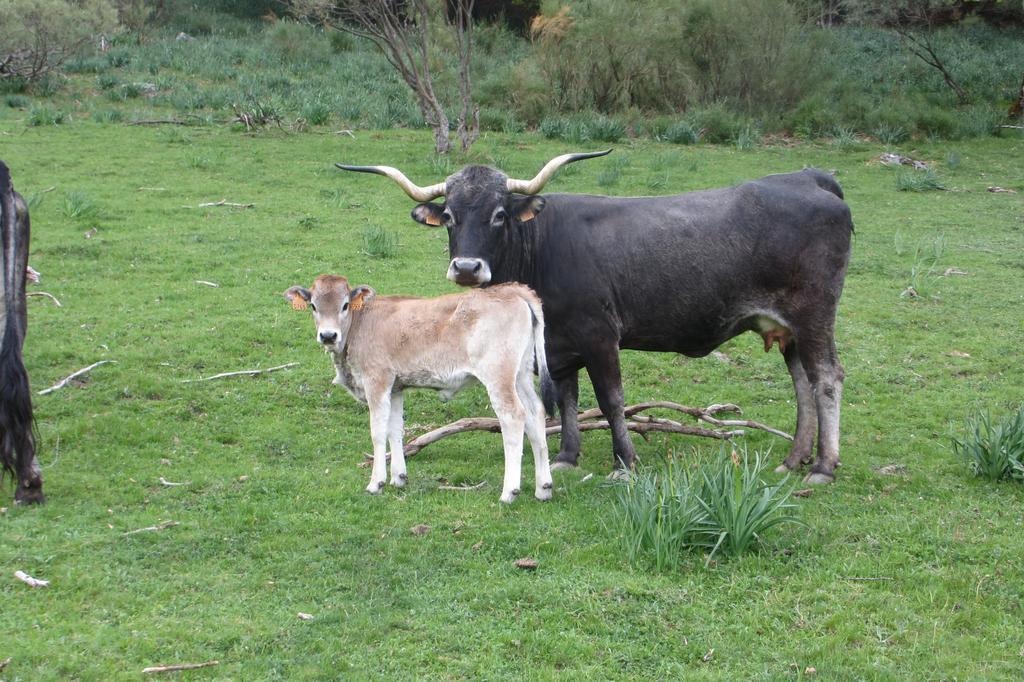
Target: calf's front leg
x,y
395,434
379,403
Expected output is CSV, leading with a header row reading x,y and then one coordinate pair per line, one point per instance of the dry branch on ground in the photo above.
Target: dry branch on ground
x,y
590,420
66,380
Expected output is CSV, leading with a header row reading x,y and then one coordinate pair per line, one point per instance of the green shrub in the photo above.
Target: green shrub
x,y
553,128
107,81
719,506
108,115
379,242
747,137
718,124
682,132
908,180
298,43
43,115
936,122
604,129
316,111
17,101
890,135
79,206
993,450
978,121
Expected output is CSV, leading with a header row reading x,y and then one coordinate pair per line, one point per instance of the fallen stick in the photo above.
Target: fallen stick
x,y
172,484
29,580
224,202
843,577
463,488
207,283
591,420
159,526
66,380
179,666
246,372
43,293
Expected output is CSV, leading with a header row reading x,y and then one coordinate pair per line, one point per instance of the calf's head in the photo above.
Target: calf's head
x,y
481,205
333,303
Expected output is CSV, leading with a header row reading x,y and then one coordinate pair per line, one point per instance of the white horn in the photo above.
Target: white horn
x,y
546,173
416,192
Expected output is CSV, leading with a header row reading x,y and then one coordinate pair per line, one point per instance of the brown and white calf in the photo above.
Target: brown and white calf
x,y
382,345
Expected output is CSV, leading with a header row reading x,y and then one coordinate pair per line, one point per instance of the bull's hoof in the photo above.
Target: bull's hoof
x,y
814,478
619,475
559,465
29,496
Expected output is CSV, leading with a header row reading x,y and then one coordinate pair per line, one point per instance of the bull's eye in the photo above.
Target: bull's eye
x,y
499,217
447,218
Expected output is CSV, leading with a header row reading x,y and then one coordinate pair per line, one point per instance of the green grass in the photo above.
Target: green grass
x,y
993,449
916,576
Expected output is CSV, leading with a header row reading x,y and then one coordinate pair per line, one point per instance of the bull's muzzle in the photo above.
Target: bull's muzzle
x,y
469,272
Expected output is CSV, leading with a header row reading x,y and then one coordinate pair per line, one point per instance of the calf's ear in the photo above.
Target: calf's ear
x,y
527,208
360,296
299,297
428,214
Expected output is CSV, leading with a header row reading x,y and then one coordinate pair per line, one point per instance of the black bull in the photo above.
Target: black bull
x,y
17,440
680,273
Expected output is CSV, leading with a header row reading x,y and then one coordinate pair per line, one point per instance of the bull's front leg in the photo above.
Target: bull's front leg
x,y
567,390
395,435
379,402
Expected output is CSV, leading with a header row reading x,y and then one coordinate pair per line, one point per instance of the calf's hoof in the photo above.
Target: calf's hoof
x,y
510,496
543,493
782,469
375,487
814,478
400,480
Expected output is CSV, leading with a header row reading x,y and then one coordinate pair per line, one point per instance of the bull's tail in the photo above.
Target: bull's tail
x,y
17,440
547,391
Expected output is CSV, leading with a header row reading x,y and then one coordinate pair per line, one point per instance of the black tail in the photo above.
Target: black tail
x,y
17,438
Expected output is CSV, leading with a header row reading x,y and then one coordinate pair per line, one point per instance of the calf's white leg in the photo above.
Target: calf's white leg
x,y
535,431
379,403
511,415
395,434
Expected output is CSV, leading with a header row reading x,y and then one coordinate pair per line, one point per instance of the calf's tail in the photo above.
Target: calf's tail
x,y
547,387
17,438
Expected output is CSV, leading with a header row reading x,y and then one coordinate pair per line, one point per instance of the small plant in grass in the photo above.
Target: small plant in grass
x,y
918,181
80,206
720,506
682,132
952,160
740,506
17,101
890,134
844,138
993,449
308,222
552,128
924,270
34,200
604,129
45,116
747,137
379,243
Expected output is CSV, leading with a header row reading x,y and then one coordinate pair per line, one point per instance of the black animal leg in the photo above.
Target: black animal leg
x,y
821,361
605,375
806,413
567,391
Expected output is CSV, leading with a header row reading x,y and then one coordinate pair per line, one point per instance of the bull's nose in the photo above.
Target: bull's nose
x,y
469,271
328,338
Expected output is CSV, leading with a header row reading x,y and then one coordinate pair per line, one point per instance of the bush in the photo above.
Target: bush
x,y
17,101
682,132
43,115
721,506
46,33
993,450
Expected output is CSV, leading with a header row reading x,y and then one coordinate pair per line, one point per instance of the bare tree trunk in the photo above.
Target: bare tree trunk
x,y
468,130
920,43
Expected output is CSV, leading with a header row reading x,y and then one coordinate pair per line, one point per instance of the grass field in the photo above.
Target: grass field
x,y
916,575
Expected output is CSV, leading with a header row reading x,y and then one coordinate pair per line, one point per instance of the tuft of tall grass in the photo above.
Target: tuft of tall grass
x,y
682,132
79,205
721,506
17,101
993,449
747,137
42,115
890,134
918,181
379,242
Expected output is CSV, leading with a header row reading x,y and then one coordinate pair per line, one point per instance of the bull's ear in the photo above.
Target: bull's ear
x,y
428,214
299,297
527,208
360,296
